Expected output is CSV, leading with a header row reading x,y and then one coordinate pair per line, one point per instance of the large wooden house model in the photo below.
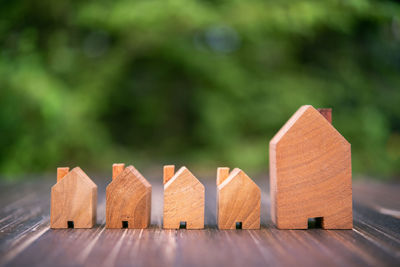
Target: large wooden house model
x,y
310,173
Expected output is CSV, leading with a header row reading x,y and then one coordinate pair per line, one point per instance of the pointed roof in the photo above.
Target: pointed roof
x,y
80,174
131,172
181,174
302,117
236,174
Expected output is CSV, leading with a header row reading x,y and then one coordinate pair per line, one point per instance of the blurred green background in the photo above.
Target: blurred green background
x,y
204,83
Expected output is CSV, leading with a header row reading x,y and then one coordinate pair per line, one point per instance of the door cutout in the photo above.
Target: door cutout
x,y
182,225
125,224
238,225
314,223
70,224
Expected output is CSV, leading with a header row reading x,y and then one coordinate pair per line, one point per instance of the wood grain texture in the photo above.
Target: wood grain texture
x,y
183,201
61,172
26,240
238,200
128,199
74,199
310,173
168,173
222,174
117,168
327,113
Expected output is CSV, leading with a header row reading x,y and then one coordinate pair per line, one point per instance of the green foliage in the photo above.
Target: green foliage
x,y
201,82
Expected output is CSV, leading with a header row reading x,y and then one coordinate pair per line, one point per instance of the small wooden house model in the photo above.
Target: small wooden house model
x,y
73,200
238,200
128,199
183,199
310,173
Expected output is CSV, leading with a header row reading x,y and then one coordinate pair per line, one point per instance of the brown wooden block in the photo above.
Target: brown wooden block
x,y
183,200
128,199
310,173
169,171
327,113
61,172
117,168
238,200
222,174
73,200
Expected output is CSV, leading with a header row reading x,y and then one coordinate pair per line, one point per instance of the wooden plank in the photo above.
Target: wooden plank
x,y
25,237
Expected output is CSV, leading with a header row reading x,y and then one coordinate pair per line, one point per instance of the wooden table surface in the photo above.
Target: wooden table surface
x,y
25,237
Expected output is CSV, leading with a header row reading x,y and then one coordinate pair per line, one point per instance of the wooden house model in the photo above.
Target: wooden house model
x,y
310,173
238,200
183,200
128,199
73,200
